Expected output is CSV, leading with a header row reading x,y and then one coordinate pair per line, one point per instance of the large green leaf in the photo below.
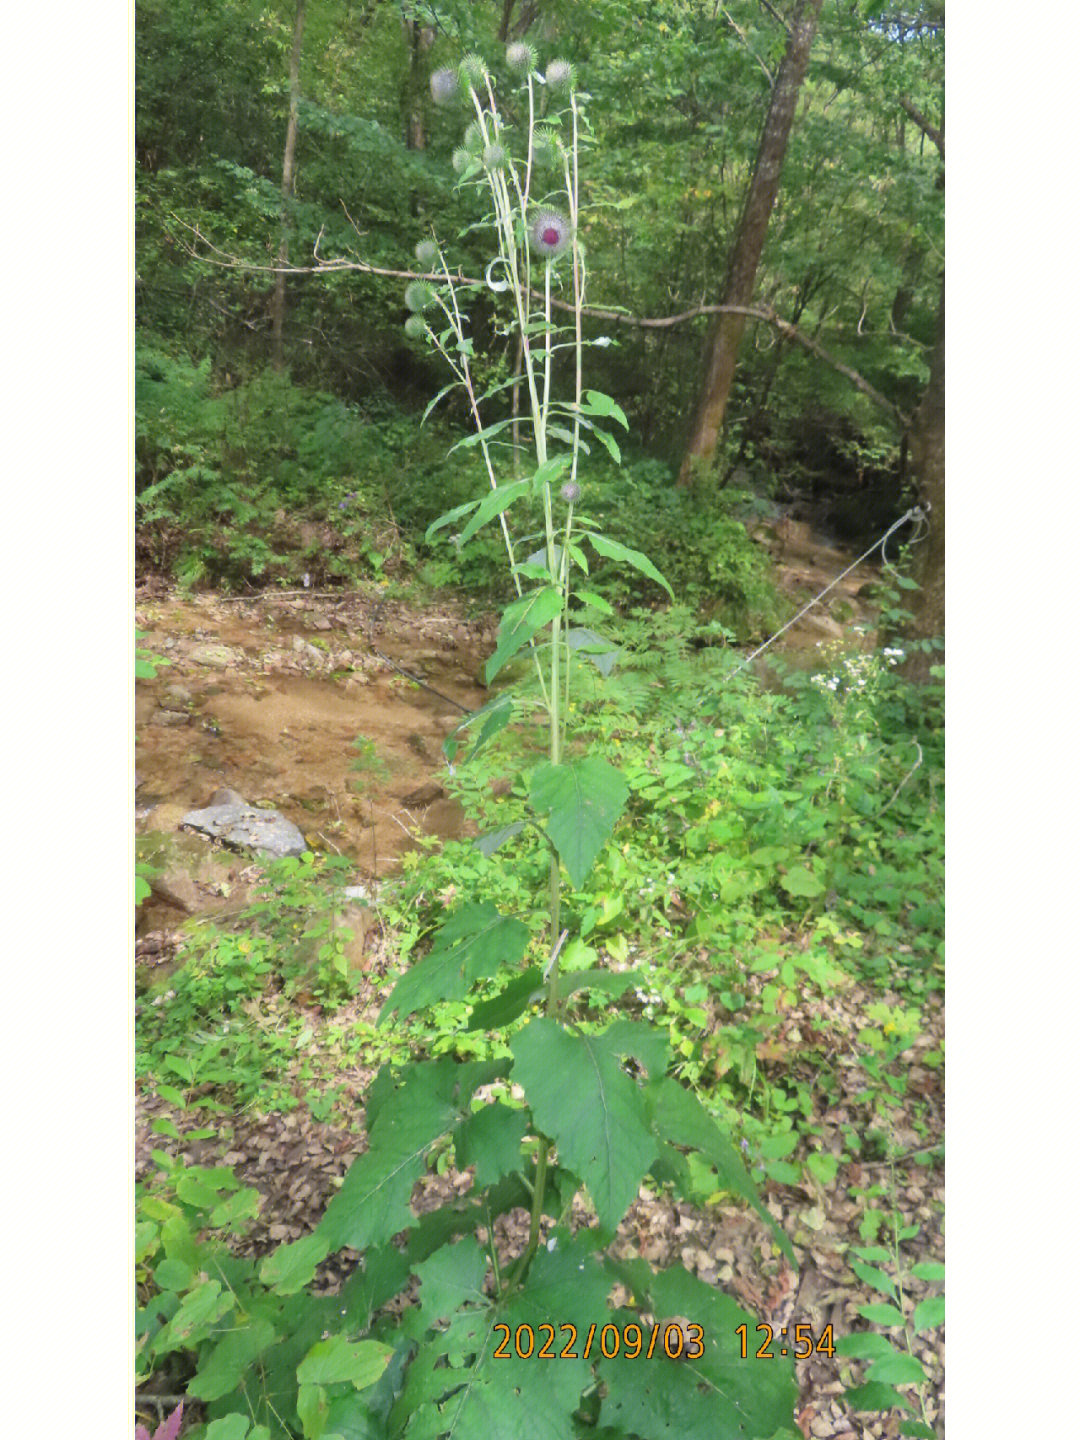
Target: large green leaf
x,y
614,551
337,1361
494,503
291,1267
405,1116
513,1000
491,1140
681,1119
719,1394
520,622
473,943
456,1385
582,801
582,1097
230,1360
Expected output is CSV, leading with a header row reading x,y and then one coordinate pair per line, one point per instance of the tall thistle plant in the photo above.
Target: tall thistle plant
x,y
569,1111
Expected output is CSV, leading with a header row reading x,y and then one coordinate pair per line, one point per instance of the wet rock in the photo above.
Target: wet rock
x,y
265,831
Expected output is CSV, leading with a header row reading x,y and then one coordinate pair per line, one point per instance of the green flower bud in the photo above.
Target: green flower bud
x,y
416,327
419,295
549,233
461,160
474,139
473,70
561,75
494,157
547,146
522,56
444,86
427,254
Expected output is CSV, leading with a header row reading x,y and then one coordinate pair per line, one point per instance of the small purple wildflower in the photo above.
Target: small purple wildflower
x,y
571,492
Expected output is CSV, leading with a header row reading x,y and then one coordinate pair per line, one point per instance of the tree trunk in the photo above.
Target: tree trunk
x,y
927,441
288,190
726,332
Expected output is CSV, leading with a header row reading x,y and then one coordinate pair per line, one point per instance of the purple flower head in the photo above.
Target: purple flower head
x,y
549,233
571,492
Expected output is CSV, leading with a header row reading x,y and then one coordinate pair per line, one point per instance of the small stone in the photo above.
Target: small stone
x,y
176,697
169,717
321,623
217,657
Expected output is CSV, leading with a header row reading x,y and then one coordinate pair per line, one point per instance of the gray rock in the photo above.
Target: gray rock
x,y
218,657
169,717
266,831
176,697
226,796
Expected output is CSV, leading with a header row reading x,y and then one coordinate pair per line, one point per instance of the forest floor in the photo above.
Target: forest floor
x,y
276,697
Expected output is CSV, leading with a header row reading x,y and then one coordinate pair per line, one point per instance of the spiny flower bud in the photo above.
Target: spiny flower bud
x,y
416,327
474,139
549,233
494,157
461,160
444,86
427,253
571,492
560,74
473,70
547,146
521,56
419,295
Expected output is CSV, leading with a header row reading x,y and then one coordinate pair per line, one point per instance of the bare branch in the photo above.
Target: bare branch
x,y
763,313
930,131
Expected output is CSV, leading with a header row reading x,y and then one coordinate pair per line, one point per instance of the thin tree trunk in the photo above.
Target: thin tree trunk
x,y
927,442
288,190
727,331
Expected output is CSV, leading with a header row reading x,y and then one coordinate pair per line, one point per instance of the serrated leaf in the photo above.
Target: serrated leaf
x,y
291,1267
614,551
583,802
717,1394
405,1115
597,1116
681,1119
452,1278
513,1000
474,943
929,1313
520,622
478,1397
491,1140
339,1361
228,1362
496,715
